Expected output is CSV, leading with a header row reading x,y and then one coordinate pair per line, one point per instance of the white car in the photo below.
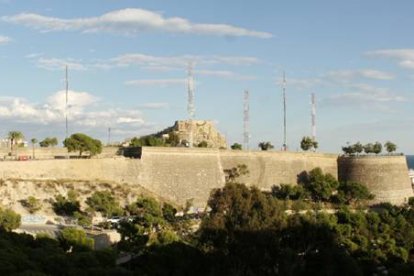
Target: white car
x,y
114,220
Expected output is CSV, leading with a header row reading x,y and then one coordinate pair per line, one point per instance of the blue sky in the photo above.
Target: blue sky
x,y
127,67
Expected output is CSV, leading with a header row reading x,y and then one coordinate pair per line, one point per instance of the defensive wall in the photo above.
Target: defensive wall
x,y
48,153
181,174
176,174
385,176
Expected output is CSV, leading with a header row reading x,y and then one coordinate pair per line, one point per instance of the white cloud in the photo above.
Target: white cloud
x,y
84,110
154,106
180,61
223,74
365,96
76,100
152,63
157,82
4,40
130,21
55,64
404,57
302,84
344,75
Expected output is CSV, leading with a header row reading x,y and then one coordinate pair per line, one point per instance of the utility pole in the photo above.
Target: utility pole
x,y
284,147
246,133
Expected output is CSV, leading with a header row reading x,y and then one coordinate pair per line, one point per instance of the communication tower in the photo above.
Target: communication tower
x,y
313,116
246,117
66,100
190,103
284,146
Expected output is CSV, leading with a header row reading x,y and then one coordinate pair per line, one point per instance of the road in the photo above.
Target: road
x,y
34,229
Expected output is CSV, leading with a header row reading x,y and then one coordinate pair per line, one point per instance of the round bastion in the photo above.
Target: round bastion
x,y
386,176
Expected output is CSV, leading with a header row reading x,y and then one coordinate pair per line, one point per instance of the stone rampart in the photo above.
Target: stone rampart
x,y
386,176
181,174
50,153
176,174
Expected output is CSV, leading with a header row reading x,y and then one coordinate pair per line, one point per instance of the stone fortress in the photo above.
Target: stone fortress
x,y
179,174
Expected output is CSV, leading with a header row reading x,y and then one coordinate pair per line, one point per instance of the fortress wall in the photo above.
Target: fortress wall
x,y
385,176
50,153
180,174
118,170
184,173
274,168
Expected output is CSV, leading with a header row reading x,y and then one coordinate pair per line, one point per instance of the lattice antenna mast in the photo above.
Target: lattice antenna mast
x,y
190,104
313,116
66,100
284,147
246,118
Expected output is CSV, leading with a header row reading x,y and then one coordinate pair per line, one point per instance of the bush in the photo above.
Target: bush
x,y
66,206
236,146
104,202
32,204
9,219
75,239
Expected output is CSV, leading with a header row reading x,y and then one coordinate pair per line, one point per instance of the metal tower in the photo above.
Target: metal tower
x,y
313,116
284,146
190,104
66,102
246,117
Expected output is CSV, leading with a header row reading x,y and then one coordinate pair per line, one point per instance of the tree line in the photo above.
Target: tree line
x,y
369,148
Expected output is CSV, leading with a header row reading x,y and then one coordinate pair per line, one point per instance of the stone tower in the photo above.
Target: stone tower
x,y
385,176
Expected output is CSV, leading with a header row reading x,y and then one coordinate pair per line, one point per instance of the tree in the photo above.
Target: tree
x,y
14,136
265,146
369,148
76,239
148,141
291,192
358,147
104,202
349,192
232,174
66,206
236,146
9,220
48,142
390,147
83,143
308,143
321,186
32,204
348,149
34,142
377,148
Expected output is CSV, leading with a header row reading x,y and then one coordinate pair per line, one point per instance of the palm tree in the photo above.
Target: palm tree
x,y
13,137
34,142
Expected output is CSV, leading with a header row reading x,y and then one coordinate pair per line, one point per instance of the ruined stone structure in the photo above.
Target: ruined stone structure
x,y
201,130
385,176
181,174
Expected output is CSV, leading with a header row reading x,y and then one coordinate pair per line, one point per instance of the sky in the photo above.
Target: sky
x,y
128,60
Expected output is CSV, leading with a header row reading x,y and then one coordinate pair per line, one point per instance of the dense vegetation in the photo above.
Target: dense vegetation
x,y
318,227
